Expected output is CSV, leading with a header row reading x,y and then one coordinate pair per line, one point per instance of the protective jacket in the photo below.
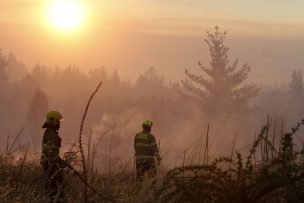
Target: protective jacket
x,y
145,146
51,144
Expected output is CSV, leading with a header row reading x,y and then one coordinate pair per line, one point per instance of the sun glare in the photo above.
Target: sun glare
x,y
66,15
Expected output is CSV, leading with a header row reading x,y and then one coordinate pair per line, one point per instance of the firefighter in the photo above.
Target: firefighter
x,y
50,159
146,151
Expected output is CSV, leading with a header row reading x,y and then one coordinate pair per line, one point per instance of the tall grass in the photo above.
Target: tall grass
x,y
277,177
84,168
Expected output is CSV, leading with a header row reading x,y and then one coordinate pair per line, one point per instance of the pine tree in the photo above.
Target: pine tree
x,y
223,90
114,84
151,83
98,74
3,63
41,73
36,113
4,79
3,71
296,84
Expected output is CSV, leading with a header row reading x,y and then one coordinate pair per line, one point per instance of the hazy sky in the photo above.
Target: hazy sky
x,y
130,35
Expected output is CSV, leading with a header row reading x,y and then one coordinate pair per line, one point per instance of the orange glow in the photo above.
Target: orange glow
x,y
66,15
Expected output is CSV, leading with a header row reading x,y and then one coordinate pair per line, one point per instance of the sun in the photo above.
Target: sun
x,y
66,15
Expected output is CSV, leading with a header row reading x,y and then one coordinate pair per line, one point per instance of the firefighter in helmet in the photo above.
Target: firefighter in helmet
x,y
50,159
146,151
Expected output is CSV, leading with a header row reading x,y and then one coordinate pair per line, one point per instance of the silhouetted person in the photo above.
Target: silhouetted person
x,y
50,159
145,152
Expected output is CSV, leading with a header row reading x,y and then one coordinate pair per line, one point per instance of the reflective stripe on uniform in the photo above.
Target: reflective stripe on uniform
x,y
49,146
144,156
142,145
142,136
145,146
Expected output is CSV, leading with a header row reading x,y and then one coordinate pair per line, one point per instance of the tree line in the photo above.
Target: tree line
x,y
220,95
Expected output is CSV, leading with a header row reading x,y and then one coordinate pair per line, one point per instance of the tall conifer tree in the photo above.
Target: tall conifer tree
x,y
220,88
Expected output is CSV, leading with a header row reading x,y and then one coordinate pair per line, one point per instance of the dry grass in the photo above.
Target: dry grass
x,y
279,178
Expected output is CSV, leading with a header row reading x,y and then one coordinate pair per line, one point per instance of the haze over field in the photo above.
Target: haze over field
x,y
130,36
62,49
219,83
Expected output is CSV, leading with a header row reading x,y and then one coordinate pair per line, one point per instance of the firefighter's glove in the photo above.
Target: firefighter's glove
x,y
61,162
44,161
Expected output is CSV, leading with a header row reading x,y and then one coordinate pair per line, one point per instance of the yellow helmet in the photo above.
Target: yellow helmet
x,y
53,117
147,123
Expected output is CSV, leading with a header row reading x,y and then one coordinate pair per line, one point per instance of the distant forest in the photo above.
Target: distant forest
x,y
216,94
